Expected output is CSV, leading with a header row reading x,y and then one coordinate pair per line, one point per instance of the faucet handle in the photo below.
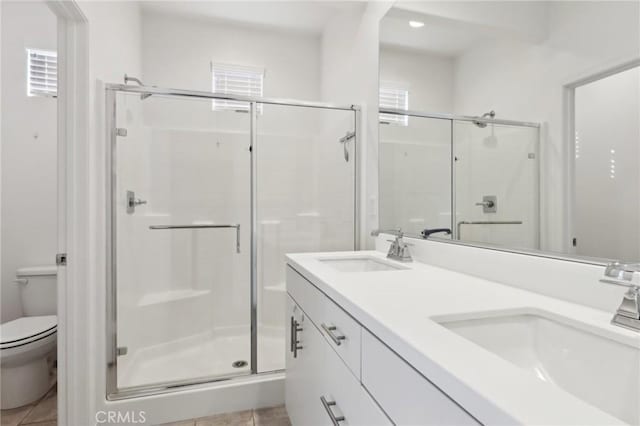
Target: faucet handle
x,y
623,274
627,275
397,232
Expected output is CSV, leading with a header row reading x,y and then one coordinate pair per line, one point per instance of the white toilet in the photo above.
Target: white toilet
x,y
28,344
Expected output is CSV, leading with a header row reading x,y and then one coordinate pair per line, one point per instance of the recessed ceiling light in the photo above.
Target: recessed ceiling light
x,y
416,24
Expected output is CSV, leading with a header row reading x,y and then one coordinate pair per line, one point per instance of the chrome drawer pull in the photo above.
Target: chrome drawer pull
x,y
327,406
329,329
295,327
292,335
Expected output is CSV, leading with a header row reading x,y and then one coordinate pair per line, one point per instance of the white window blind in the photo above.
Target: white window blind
x,y
42,70
394,98
236,80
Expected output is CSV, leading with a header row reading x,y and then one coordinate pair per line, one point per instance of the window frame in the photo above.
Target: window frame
x,y
252,74
31,91
398,91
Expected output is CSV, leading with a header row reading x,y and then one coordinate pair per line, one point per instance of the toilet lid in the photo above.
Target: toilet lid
x,y
26,329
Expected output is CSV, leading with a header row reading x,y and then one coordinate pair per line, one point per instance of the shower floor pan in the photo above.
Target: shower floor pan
x,y
193,359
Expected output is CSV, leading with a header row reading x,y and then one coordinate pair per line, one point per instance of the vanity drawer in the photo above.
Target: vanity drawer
x,y
341,331
408,397
351,400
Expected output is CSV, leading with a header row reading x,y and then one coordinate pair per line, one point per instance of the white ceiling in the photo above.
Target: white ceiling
x,y
439,35
454,27
304,16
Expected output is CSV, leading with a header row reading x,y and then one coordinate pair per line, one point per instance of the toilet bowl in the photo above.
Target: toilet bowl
x,y
27,347
28,343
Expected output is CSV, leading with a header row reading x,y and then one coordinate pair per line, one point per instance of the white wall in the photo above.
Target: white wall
x,y
607,177
524,81
350,53
177,53
29,197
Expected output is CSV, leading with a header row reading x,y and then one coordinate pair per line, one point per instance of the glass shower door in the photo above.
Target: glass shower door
x,y
181,224
496,184
305,203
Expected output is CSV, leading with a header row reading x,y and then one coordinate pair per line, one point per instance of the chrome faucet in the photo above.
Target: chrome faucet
x,y
398,250
627,275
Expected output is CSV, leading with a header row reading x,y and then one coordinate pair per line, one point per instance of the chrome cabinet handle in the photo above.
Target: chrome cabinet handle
x,y
292,334
295,327
329,329
327,406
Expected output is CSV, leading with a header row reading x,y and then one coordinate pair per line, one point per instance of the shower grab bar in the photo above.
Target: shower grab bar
x,y
487,222
195,226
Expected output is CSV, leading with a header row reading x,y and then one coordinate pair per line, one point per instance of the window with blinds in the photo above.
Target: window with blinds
x,y
394,98
236,80
42,70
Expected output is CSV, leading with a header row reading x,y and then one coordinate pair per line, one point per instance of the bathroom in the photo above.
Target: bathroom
x,y
272,213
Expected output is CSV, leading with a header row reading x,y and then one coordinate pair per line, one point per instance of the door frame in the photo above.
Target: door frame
x,y
569,128
74,403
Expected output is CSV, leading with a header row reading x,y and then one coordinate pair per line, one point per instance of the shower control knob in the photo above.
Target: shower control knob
x,y
133,202
489,204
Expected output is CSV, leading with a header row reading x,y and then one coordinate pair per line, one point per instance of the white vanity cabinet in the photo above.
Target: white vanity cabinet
x,y
405,395
320,387
304,361
336,373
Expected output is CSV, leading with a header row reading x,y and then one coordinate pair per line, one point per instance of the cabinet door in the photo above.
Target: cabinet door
x,y
304,369
407,397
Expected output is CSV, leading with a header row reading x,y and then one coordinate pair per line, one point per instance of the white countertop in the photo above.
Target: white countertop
x,y
398,307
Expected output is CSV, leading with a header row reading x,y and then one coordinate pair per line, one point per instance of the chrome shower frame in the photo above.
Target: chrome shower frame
x,y
111,90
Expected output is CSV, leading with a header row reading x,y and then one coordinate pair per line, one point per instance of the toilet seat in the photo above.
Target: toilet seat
x,y
26,330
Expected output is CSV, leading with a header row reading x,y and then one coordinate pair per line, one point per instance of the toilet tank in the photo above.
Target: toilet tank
x,y
38,290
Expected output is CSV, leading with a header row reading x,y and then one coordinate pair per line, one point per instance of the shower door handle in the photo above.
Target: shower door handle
x,y
237,226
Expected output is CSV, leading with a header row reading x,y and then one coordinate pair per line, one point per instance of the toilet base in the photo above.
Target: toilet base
x,y
24,384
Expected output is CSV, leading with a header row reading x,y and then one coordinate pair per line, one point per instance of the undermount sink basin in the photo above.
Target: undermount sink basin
x,y
360,264
599,370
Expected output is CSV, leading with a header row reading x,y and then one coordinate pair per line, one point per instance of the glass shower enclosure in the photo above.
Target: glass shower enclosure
x,y
477,177
205,199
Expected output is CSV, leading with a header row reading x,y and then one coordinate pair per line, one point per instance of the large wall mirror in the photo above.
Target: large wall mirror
x,y
513,125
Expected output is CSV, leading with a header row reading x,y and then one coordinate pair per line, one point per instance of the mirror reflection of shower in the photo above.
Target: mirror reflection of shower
x,y
482,124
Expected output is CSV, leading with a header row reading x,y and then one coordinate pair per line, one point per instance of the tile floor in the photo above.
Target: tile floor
x,y
44,413
273,416
41,413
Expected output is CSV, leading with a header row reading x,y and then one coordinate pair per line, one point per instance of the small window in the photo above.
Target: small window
x,y
42,69
394,97
236,80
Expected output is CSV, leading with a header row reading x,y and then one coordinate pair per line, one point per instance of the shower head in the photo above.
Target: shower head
x,y
482,124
